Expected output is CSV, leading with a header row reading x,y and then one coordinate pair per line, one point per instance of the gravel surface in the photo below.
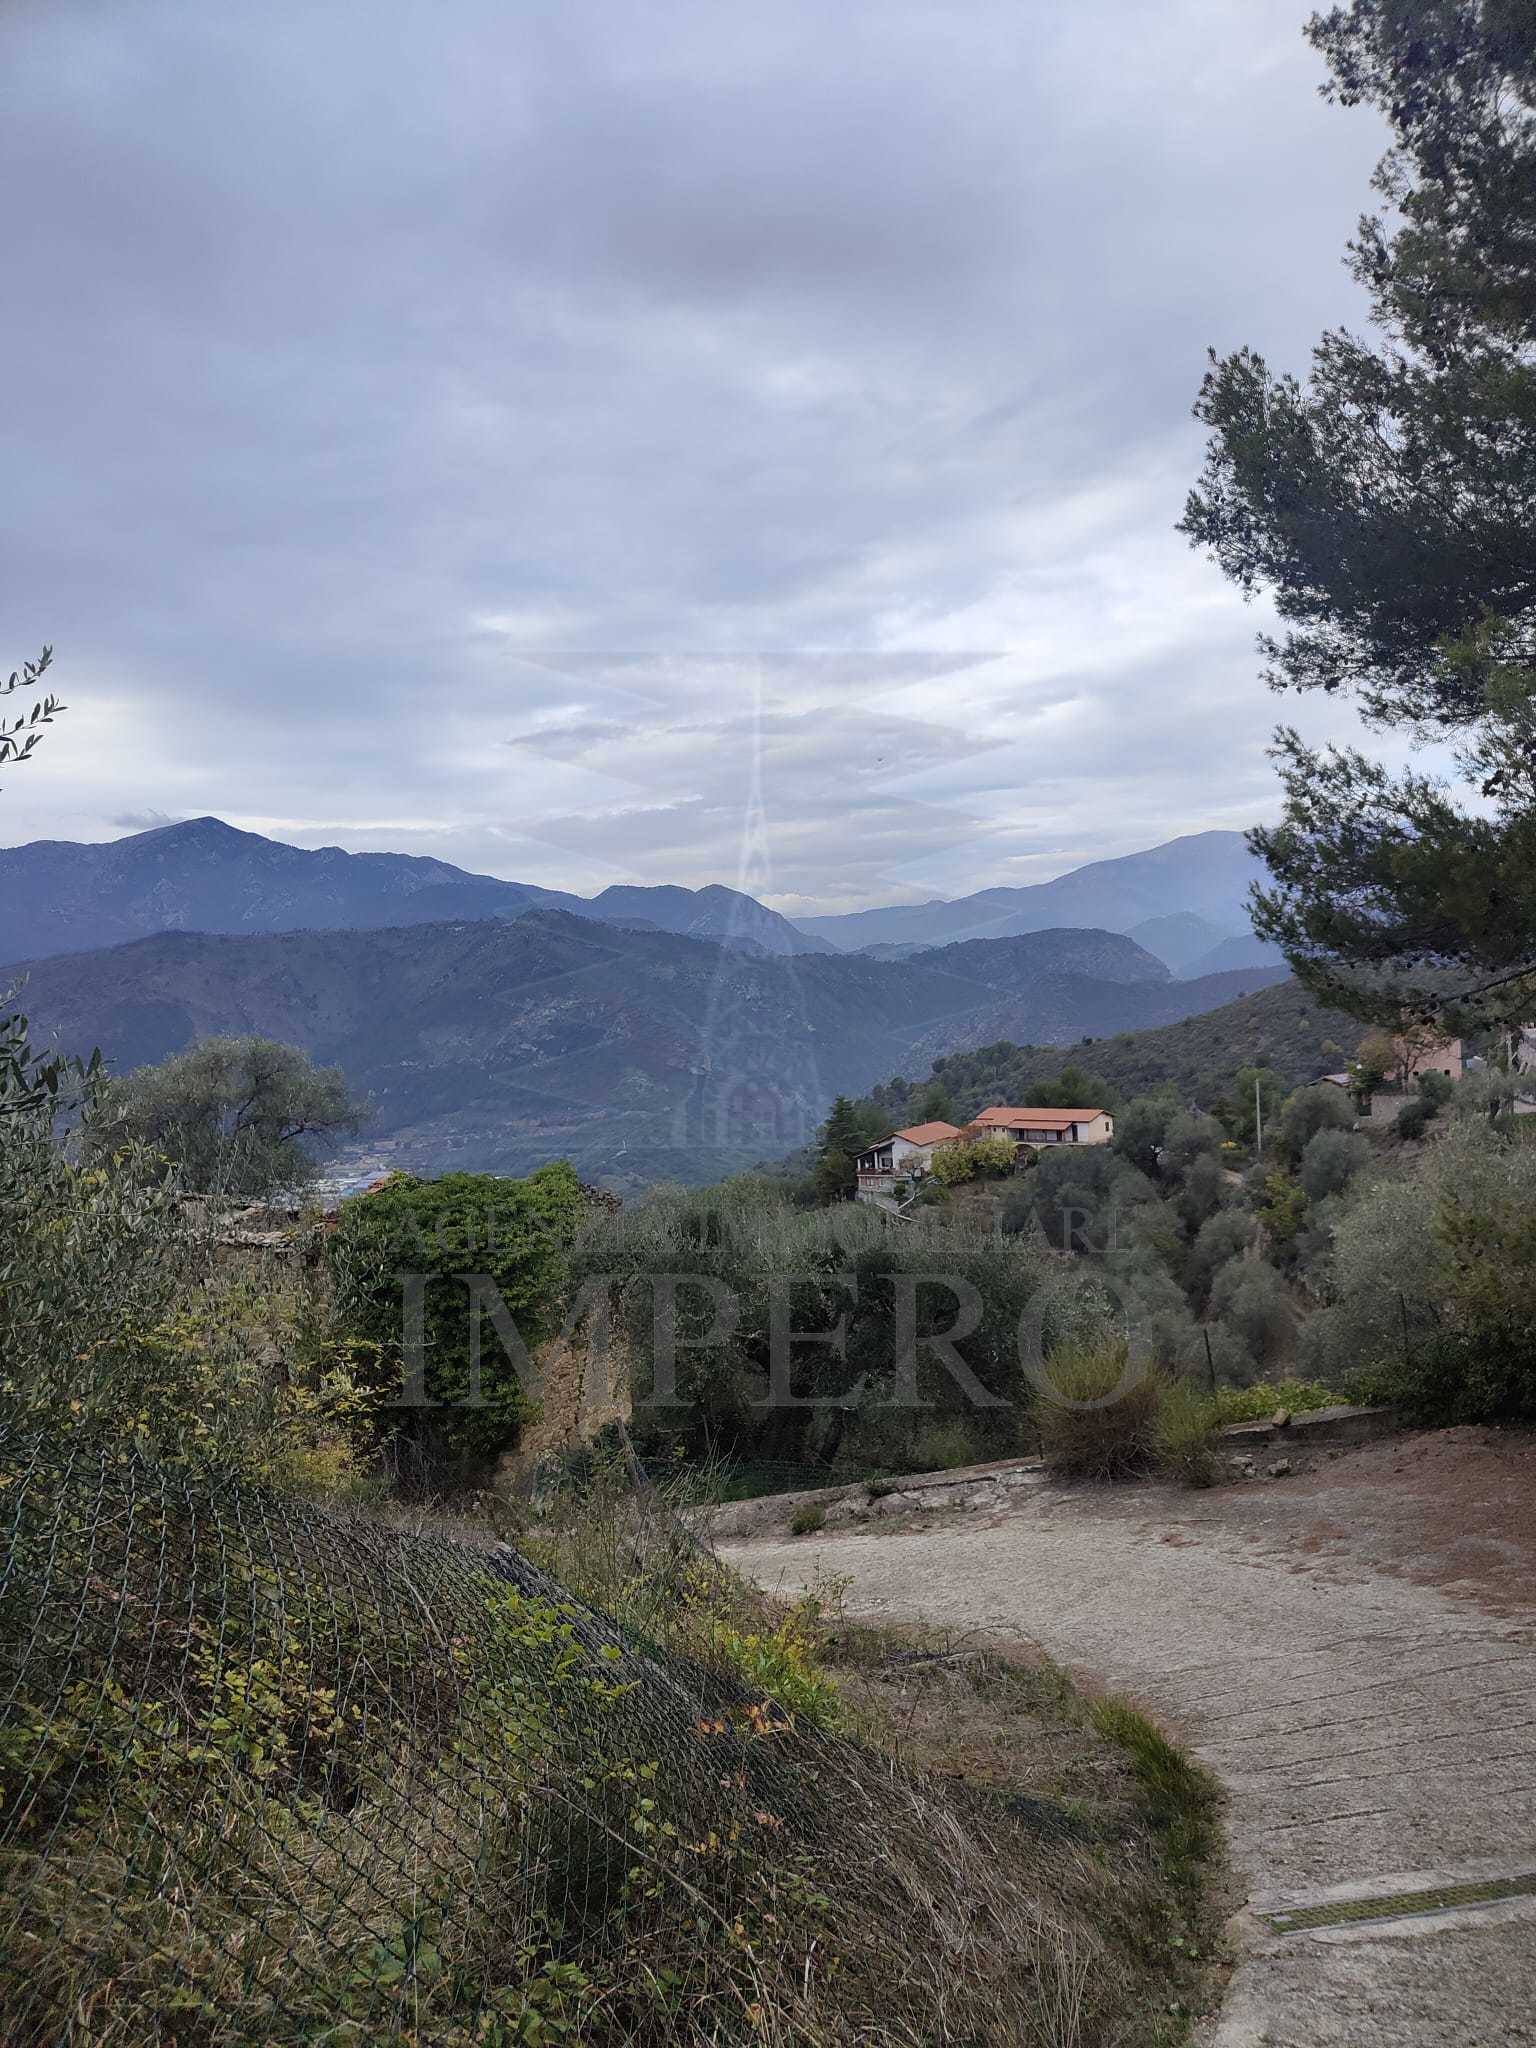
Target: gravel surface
x,y
1352,1650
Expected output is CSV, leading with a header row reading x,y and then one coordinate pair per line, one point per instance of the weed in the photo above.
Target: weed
x,y
1267,1397
945,1448
1184,1434
1097,1419
807,1519
1181,1800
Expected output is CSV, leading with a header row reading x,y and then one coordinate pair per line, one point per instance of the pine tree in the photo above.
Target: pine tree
x,y
840,1142
1388,506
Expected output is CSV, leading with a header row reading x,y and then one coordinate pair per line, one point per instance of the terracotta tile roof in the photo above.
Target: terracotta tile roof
x,y
927,1134
1002,1118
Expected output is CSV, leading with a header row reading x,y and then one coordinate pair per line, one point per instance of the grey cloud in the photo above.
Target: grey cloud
x,y
141,821
726,332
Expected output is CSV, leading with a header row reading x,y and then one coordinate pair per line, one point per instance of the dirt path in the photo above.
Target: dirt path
x,y
1353,1651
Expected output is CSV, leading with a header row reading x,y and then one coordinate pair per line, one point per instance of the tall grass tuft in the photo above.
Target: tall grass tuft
x,y
1097,1416
1185,1432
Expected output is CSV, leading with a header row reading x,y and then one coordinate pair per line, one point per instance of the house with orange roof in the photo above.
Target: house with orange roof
x,y
1044,1126
899,1156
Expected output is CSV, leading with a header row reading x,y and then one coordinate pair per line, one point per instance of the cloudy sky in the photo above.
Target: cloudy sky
x,y
599,440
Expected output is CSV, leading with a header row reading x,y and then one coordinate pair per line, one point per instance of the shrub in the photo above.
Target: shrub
x,y
1414,1118
1190,1134
952,1164
819,1269
807,1519
95,1260
1252,1299
1280,1209
1220,1238
1330,1163
1436,1088
995,1155
944,1448
1481,1367
1321,1107
1185,1432
1097,1417
517,1233
1432,1283
955,1163
1086,1193
1203,1191
1264,1398
778,1662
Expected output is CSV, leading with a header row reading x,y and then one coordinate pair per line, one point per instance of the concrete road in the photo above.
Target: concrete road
x,y
1352,1651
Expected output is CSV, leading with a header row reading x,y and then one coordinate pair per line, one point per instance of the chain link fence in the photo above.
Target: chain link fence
x,y
274,1774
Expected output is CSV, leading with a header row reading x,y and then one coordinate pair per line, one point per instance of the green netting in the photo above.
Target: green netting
x,y
271,1774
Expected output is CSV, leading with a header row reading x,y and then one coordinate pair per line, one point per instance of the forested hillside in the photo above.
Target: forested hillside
x,y
1281,1028
496,1044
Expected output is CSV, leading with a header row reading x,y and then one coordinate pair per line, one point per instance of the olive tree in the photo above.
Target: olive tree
x,y
232,1116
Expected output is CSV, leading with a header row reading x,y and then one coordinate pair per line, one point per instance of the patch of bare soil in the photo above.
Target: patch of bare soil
x,y
1451,1508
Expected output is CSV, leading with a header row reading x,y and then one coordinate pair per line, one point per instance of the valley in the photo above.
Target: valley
x,y
496,1044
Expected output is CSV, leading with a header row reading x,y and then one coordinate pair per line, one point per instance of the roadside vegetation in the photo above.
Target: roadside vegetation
x,y
290,1751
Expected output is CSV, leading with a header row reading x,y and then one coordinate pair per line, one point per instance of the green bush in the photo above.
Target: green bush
x,y
1264,1398
1330,1163
1414,1118
1480,1366
806,1520
944,1448
93,1263
1432,1284
1321,1107
1250,1297
1185,1434
1220,1238
1097,1417
953,1164
515,1233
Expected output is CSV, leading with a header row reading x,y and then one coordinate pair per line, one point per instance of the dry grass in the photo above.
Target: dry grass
x,y
1098,1418
1083,1800
665,1813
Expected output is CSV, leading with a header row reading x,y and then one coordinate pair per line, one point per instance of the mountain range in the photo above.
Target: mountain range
x,y
64,896
1187,896
495,1043
1184,901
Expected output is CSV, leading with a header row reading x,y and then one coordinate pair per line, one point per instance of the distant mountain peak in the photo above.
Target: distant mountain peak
x,y
1205,874
204,874
207,827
